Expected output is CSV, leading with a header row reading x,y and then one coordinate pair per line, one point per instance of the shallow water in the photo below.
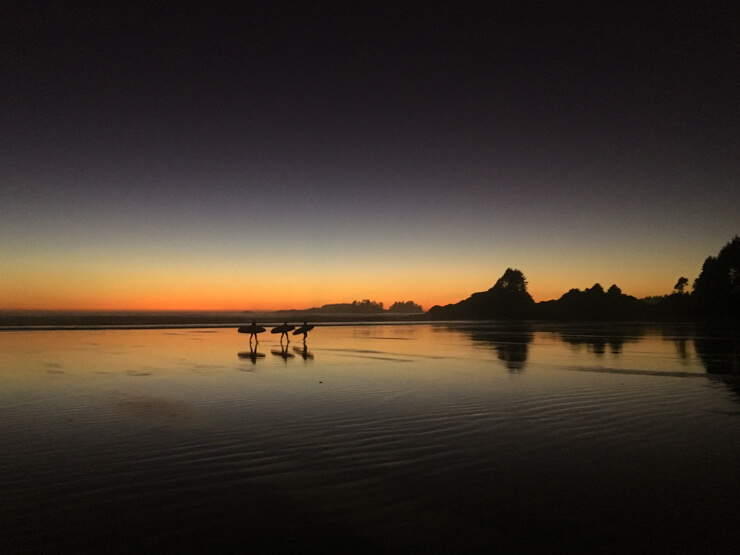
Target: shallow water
x,y
375,438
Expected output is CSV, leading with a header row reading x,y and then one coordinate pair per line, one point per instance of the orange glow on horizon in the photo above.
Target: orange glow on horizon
x,y
228,299
113,285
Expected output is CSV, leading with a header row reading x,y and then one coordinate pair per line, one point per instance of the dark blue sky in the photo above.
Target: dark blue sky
x,y
410,150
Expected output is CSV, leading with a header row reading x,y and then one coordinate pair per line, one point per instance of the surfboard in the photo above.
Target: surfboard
x,y
303,329
282,328
251,328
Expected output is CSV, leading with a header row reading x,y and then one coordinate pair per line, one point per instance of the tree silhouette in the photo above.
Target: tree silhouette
x,y
593,304
405,307
717,289
596,291
512,282
681,284
366,305
507,299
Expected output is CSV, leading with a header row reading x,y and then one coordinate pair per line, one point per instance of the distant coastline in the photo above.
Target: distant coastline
x,y
29,320
715,298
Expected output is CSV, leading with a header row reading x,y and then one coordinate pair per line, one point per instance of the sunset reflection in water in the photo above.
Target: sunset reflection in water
x,y
427,436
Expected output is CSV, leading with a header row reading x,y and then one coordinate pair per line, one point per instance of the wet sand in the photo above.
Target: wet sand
x,y
393,438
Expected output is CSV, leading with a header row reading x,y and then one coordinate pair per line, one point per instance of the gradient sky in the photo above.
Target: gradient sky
x,y
296,154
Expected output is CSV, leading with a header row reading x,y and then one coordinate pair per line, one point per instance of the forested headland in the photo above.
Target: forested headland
x,y
714,296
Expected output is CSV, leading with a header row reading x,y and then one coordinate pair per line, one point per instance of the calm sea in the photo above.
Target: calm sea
x,y
371,438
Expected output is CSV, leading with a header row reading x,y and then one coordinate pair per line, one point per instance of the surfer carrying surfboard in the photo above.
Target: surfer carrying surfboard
x,y
252,329
304,329
283,331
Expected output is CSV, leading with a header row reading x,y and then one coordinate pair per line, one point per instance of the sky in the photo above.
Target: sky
x,y
293,154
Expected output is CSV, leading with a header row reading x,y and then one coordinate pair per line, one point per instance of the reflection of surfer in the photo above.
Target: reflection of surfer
x,y
304,329
252,329
283,331
283,352
253,355
303,351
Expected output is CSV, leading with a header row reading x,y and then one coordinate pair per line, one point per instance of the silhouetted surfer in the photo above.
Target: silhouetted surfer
x,y
252,329
283,331
304,329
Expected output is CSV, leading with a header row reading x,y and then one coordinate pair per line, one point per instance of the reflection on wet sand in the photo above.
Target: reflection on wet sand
x,y
252,354
303,351
597,338
403,439
627,372
283,352
149,407
720,355
510,343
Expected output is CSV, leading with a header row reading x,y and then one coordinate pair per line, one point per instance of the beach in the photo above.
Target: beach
x,y
461,437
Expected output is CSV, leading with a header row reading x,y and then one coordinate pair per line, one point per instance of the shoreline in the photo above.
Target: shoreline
x,y
159,322
76,320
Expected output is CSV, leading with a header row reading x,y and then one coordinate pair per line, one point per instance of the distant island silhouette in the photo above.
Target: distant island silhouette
x,y
361,307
